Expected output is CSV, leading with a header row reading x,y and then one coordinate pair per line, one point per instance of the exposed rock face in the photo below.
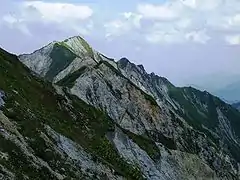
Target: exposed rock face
x,y
172,165
2,95
40,60
162,131
77,155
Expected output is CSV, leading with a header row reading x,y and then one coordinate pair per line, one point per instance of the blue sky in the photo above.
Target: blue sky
x,y
188,41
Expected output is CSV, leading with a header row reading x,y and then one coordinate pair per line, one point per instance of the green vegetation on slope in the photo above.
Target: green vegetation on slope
x,y
144,143
20,164
200,109
31,103
70,79
61,58
195,114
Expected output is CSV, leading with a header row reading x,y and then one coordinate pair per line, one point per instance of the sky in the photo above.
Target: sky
x,y
190,42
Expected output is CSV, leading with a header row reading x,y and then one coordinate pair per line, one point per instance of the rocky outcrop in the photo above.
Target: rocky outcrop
x,y
2,95
39,61
77,156
172,165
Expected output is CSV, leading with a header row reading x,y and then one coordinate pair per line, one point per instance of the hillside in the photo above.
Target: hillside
x,y
78,114
45,135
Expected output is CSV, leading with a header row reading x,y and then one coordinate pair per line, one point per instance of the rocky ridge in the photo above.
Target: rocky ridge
x,y
147,105
138,125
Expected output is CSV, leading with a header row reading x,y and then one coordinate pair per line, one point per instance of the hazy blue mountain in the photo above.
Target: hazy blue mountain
x,y
230,93
236,105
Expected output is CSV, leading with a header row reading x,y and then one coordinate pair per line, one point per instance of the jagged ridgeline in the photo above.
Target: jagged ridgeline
x,y
76,114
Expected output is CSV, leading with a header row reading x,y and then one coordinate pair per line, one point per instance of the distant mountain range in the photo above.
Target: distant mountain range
x,y
229,93
237,105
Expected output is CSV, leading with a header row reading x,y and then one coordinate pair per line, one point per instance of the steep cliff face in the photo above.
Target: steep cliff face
x,y
151,129
44,135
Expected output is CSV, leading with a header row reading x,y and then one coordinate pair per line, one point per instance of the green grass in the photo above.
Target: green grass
x,y
20,164
96,140
64,45
145,143
70,79
61,58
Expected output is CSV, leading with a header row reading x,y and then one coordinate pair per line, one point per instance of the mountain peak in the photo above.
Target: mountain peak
x,y
141,67
143,110
78,45
75,38
124,60
56,56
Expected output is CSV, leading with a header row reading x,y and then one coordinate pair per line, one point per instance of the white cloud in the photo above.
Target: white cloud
x,y
162,37
10,19
164,33
133,18
198,36
63,16
179,21
12,22
233,39
183,23
203,5
24,29
171,36
229,22
116,28
158,12
123,25
59,12
172,21
234,20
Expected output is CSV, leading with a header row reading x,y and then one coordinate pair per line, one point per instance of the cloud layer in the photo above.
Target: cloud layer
x,y
65,16
179,21
172,21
